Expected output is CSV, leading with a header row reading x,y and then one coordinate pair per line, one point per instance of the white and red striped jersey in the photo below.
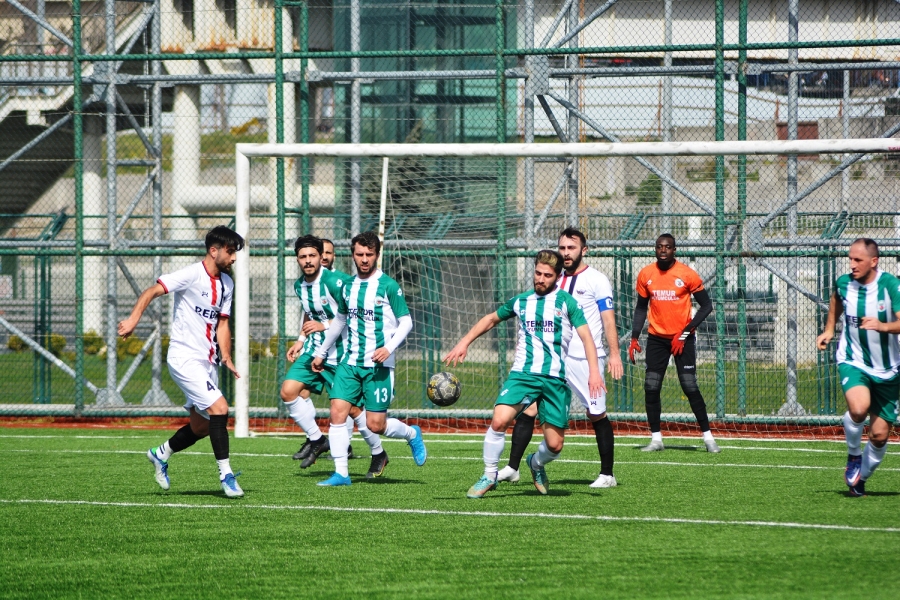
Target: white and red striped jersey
x,y
200,299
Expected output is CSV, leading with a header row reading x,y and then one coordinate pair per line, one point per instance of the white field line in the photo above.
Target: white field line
x,y
462,458
456,513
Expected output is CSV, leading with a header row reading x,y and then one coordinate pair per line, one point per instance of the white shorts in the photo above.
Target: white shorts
x,y
198,379
577,372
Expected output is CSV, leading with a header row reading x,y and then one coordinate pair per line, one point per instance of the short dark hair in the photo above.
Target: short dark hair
x,y
571,232
369,239
870,244
224,237
327,241
667,235
552,258
308,241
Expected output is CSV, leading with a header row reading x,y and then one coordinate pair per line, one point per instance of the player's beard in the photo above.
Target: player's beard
x,y
576,262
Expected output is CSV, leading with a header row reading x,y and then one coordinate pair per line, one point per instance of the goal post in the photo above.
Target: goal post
x,y
624,243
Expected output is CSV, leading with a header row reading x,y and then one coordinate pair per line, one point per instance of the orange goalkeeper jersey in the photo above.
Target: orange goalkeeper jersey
x,y
670,294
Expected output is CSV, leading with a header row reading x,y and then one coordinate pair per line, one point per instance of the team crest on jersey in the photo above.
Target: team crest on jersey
x,y
679,283
379,301
579,292
557,312
881,306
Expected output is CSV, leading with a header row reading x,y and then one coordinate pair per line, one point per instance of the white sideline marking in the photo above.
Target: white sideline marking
x,y
467,458
457,513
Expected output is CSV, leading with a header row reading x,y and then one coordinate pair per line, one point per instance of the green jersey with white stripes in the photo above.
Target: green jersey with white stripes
x,y
873,352
546,325
319,302
373,307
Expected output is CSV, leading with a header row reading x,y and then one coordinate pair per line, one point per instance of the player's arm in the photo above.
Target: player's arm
x,y
485,324
331,336
153,292
637,325
297,347
706,307
404,326
223,338
612,339
595,381
873,324
835,309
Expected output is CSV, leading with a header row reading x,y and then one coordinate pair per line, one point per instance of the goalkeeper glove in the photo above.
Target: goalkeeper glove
x,y
634,347
678,342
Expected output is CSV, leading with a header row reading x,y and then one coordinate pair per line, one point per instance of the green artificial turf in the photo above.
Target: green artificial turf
x,y
81,516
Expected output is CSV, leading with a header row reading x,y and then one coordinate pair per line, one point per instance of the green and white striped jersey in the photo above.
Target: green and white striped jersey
x,y
546,324
319,301
373,307
873,352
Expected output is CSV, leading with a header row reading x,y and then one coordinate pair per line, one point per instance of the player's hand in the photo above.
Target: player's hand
x,y
380,355
870,323
230,366
678,342
294,351
457,355
317,365
614,366
126,327
824,339
595,384
311,327
634,347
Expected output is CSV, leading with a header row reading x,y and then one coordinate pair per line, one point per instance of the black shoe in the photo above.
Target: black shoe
x,y
376,467
350,452
303,452
317,448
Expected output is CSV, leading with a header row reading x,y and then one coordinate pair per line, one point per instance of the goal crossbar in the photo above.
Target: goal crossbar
x,y
244,152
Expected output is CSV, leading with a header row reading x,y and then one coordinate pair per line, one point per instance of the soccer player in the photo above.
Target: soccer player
x,y
318,291
667,286
200,341
374,311
548,317
592,291
868,357
328,254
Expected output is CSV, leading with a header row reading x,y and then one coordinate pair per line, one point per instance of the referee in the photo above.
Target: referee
x,y
669,284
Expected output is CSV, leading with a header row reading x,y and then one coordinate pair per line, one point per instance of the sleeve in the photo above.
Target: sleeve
x,y
641,285
694,281
331,335
404,326
177,280
507,310
603,293
576,316
397,300
894,292
337,286
228,293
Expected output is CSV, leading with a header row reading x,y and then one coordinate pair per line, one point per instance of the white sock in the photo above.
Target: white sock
x,y
543,455
494,442
871,458
224,468
350,424
303,413
853,432
398,429
372,439
163,452
338,442
707,436
656,436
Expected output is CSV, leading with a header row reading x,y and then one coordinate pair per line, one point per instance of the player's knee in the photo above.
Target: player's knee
x,y
688,383
554,446
653,381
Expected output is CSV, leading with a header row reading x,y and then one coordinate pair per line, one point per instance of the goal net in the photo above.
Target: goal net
x,y
766,224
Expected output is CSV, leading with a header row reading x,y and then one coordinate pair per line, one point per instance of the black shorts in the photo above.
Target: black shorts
x,y
659,349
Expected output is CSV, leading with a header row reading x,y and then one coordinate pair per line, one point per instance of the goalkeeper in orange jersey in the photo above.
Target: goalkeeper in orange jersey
x,y
666,288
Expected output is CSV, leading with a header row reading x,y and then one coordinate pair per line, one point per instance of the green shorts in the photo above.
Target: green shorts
x,y
552,394
883,392
371,388
302,371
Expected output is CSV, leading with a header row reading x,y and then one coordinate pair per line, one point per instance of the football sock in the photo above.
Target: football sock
x,y
853,432
871,458
494,441
603,431
543,456
708,436
303,413
350,424
395,428
654,410
183,438
521,437
656,436
218,436
338,439
224,468
372,439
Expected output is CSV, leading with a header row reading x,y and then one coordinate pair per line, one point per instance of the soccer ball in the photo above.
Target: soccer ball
x,y
443,389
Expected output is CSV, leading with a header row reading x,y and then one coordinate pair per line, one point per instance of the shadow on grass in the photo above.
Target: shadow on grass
x,y
676,448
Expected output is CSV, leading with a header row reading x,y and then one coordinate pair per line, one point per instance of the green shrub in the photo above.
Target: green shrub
x,y
92,342
257,350
57,344
133,346
165,345
16,344
273,345
649,193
